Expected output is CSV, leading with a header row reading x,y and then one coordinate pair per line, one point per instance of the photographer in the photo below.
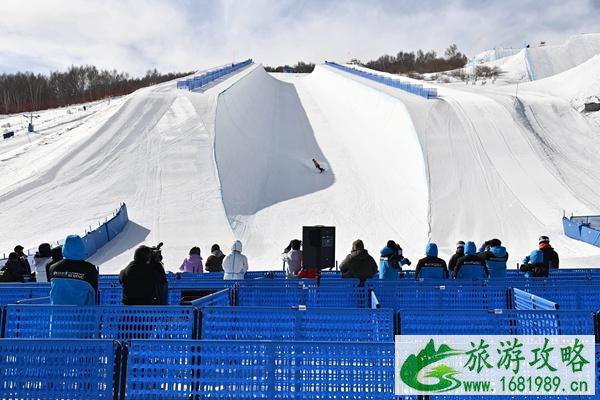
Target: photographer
x,y
144,280
391,261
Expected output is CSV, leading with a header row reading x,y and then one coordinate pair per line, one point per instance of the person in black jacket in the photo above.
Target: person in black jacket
x,y
358,264
431,261
12,271
551,259
26,268
470,258
214,262
460,252
57,255
143,280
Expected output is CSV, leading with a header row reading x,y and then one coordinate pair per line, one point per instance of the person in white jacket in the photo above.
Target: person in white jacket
x,y
235,264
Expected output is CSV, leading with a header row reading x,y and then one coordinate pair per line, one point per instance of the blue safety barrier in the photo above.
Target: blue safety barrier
x,y
584,228
569,297
429,297
298,323
100,322
522,300
221,298
197,82
10,293
106,232
418,89
495,322
300,294
59,369
267,370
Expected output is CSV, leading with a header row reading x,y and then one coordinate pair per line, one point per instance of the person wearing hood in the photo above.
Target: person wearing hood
x,y
391,261
193,263
470,266
12,271
460,252
143,280
358,264
431,266
23,259
214,262
235,264
495,257
292,256
534,265
74,281
56,255
41,258
550,255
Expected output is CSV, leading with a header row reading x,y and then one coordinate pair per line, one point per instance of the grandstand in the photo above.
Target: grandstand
x,y
267,336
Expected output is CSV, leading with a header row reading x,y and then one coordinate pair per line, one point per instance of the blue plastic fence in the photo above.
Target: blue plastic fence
x,y
584,228
569,297
331,295
320,324
100,322
428,93
267,370
221,298
475,297
495,322
522,300
59,369
197,82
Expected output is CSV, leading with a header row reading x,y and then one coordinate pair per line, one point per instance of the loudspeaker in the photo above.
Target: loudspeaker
x,y
318,246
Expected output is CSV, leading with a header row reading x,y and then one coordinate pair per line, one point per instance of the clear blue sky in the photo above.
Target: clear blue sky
x,y
134,36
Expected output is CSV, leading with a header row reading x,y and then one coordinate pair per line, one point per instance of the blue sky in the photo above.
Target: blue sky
x,y
134,36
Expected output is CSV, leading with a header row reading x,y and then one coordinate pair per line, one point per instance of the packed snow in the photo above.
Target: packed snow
x,y
234,162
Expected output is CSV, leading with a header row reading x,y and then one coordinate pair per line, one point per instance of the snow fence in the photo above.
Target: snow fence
x,y
197,82
584,228
419,90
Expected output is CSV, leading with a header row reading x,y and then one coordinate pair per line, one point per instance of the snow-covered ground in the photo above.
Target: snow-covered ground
x,y
234,161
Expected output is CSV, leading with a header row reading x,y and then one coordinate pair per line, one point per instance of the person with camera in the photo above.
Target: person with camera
x,y
391,261
144,280
74,281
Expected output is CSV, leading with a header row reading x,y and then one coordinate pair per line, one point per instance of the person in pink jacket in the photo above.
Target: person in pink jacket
x,y
193,263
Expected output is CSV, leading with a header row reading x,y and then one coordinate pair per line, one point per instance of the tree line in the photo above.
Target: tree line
x,y
300,68
419,62
26,91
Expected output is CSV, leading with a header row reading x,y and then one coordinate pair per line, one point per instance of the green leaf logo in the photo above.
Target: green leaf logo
x,y
444,374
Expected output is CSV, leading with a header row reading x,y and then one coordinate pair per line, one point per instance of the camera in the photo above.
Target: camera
x,y
156,254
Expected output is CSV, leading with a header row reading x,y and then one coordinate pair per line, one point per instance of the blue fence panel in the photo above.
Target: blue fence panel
x,y
571,229
273,295
591,236
443,297
220,298
320,324
495,322
59,369
197,82
569,297
267,370
10,293
523,300
100,322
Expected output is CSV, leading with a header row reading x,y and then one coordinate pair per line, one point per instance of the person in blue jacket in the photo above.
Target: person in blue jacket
x,y
74,281
391,261
495,257
431,266
470,265
534,265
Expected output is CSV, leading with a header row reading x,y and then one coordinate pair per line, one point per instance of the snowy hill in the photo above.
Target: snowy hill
x,y
234,161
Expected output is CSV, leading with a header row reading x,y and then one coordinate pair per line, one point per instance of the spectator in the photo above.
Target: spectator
x,y
495,257
235,264
25,267
550,255
57,255
391,261
144,279
460,252
193,263
471,265
74,281
292,256
41,258
431,266
12,271
358,264
534,265
214,262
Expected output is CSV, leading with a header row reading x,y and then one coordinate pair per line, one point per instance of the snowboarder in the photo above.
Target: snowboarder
x,y
318,166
